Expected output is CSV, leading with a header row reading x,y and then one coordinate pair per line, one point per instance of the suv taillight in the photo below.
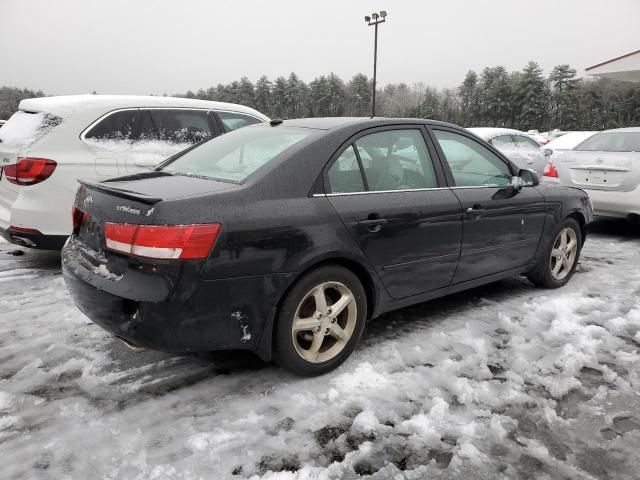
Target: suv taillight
x,y
550,170
166,242
29,171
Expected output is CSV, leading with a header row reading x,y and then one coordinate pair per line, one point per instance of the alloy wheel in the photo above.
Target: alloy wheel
x,y
324,322
563,253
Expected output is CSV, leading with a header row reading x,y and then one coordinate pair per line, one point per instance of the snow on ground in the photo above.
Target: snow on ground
x,y
504,381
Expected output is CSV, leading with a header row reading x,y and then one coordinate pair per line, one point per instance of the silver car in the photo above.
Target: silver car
x,y
607,167
517,146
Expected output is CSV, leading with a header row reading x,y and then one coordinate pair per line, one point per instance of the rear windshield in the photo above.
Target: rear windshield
x,y
24,128
236,155
612,142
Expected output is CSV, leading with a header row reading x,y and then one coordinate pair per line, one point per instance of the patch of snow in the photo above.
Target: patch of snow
x,y
23,129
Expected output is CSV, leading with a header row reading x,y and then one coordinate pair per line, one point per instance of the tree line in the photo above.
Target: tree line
x,y
525,99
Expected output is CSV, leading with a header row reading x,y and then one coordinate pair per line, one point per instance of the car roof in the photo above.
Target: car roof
x,y
333,123
66,105
490,132
623,130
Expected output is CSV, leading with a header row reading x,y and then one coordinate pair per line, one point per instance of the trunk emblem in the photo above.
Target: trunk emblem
x,y
87,201
127,209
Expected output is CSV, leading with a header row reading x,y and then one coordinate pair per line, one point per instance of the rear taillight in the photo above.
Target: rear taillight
x,y
79,217
184,242
29,171
550,170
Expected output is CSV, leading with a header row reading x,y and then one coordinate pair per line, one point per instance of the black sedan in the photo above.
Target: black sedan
x,y
285,238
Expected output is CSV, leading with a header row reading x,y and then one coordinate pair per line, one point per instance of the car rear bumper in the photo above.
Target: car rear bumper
x,y
194,315
33,239
609,203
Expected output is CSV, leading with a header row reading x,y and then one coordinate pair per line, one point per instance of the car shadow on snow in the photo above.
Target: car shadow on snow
x,y
620,228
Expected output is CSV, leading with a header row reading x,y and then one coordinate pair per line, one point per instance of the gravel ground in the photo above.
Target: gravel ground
x,y
503,381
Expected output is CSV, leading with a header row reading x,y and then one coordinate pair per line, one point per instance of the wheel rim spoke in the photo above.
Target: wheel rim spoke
x,y
321,299
338,333
301,324
314,349
341,304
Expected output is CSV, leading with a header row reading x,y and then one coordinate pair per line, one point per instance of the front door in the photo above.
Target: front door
x,y
502,226
393,200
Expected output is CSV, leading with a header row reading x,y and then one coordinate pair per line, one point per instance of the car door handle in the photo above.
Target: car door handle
x,y
373,225
475,212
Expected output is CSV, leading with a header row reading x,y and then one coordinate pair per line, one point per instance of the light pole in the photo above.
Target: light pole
x,y
374,20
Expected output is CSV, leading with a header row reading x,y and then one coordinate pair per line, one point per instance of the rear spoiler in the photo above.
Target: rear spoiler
x,y
119,192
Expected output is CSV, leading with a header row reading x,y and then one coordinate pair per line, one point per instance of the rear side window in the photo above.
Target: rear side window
x,y
527,143
25,128
345,175
471,163
236,155
233,121
182,126
503,141
116,126
396,160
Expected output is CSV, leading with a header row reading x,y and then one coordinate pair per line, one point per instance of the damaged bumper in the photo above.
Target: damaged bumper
x,y
158,307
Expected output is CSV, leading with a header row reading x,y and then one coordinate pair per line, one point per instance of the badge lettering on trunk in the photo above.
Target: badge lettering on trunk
x,y
127,209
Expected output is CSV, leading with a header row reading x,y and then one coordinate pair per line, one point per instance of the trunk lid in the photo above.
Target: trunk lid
x,y
619,171
134,199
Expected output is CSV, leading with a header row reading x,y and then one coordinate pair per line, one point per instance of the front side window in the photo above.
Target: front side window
x,y
233,121
611,142
471,163
181,126
116,126
503,141
396,160
345,175
236,155
526,143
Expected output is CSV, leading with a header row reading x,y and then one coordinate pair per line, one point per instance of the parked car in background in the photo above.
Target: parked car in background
x,y
286,238
539,138
607,166
566,141
518,147
51,142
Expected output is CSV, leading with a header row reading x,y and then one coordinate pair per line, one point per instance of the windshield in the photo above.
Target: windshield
x,y
236,155
612,142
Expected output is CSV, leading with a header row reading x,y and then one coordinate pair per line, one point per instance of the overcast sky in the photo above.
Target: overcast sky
x,y
158,46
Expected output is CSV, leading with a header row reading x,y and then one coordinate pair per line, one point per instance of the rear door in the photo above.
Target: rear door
x,y
393,199
532,154
501,226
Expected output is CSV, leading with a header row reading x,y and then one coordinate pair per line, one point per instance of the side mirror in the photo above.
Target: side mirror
x,y
548,152
526,178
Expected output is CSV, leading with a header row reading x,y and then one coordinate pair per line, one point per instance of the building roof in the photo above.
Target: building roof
x,y
625,67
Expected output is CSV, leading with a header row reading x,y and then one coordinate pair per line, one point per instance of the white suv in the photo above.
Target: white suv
x,y
53,141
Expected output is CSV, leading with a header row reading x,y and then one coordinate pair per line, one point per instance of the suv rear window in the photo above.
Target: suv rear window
x,y
24,128
236,155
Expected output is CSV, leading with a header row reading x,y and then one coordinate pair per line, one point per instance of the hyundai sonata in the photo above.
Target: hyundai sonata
x,y
285,238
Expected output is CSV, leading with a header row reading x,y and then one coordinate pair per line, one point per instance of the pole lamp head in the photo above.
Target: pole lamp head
x,y
383,13
375,16
367,18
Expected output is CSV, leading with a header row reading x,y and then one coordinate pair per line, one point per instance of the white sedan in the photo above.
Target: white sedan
x,y
517,146
607,166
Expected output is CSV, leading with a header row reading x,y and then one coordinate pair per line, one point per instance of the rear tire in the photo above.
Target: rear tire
x,y
560,258
320,321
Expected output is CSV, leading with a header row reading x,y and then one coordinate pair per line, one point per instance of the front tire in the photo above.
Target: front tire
x,y
320,321
560,259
